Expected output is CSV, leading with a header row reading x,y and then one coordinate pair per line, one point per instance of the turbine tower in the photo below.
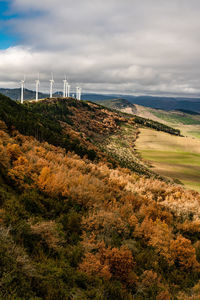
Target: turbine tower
x,y
65,87
77,92
79,95
51,86
22,90
67,90
37,82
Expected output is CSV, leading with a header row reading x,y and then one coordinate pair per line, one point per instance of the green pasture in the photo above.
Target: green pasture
x,y
177,118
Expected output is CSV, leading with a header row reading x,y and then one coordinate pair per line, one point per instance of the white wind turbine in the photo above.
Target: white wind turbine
x,y
22,90
51,85
37,83
68,90
65,88
78,93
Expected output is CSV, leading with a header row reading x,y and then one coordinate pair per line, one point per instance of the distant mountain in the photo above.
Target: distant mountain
x,y
100,97
119,104
164,103
186,111
181,116
15,94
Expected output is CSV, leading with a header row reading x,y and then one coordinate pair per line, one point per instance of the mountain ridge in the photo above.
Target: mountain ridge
x,y
165,103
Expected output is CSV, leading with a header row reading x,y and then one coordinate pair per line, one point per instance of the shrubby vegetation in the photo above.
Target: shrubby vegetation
x,y
73,228
42,127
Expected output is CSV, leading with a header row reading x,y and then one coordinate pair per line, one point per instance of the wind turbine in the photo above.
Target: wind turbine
x,y
68,90
78,93
51,86
37,83
65,87
77,90
22,90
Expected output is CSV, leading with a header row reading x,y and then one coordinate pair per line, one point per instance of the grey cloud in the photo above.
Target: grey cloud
x,y
130,46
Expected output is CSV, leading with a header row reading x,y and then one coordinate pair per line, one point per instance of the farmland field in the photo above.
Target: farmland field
x,y
188,124
171,156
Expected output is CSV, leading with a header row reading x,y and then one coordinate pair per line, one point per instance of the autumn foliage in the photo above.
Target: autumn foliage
x,y
110,230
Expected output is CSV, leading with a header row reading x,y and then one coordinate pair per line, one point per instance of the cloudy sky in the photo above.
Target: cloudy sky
x,y
109,46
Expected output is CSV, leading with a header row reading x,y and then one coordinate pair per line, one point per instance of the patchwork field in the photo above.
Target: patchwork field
x,y
171,156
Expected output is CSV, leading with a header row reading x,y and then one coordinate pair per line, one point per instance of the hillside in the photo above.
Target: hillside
x,y
84,128
76,225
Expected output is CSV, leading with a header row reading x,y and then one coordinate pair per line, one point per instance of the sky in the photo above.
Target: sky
x,y
139,47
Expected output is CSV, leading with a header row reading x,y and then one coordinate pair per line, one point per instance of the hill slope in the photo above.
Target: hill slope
x,y
79,228
84,128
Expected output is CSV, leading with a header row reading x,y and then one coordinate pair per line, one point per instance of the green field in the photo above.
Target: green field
x,y
173,118
188,124
171,156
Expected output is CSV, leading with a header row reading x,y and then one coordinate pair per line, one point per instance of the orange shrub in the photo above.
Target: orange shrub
x,y
13,151
92,265
183,253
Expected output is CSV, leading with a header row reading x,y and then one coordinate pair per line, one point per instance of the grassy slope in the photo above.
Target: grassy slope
x,y
176,157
